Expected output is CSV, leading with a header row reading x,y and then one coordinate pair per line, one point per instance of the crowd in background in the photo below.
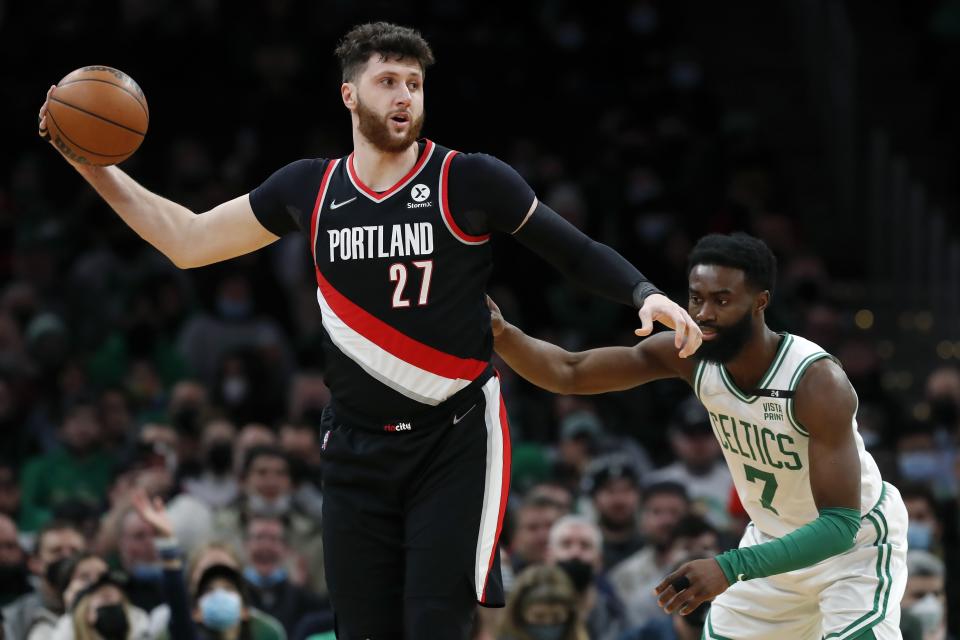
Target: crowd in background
x,y
160,444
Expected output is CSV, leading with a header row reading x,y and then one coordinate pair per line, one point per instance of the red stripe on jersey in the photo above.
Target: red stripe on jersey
x,y
396,343
504,487
316,208
445,205
427,148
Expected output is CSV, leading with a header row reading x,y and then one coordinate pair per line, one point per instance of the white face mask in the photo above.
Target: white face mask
x,y
260,506
929,611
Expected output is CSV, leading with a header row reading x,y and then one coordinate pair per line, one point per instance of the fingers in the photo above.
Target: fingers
x,y
646,322
680,331
694,338
42,115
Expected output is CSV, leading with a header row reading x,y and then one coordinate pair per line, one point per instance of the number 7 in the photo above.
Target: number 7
x,y
769,485
398,274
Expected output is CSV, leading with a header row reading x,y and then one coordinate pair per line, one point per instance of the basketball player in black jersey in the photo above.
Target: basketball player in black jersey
x,y
416,460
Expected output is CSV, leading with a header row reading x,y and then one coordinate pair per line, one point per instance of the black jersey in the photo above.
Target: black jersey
x,y
400,283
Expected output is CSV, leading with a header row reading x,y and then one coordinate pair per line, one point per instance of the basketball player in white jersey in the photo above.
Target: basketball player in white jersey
x,y
824,556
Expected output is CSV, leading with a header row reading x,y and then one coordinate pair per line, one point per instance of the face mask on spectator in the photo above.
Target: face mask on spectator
x,y
147,572
919,535
54,569
275,577
220,458
112,622
220,609
919,466
12,576
579,572
263,507
546,631
929,611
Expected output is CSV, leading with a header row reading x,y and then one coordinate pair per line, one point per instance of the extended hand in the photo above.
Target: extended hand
x,y
496,318
44,132
689,586
660,308
154,513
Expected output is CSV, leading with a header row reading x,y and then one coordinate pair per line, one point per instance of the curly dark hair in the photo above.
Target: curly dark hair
x,y
388,40
739,251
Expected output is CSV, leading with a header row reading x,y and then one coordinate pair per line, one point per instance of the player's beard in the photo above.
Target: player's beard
x,y
729,341
375,127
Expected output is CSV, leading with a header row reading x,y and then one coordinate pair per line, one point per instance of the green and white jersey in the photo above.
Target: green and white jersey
x,y
765,445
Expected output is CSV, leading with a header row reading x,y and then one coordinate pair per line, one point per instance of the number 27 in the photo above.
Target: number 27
x,y
398,274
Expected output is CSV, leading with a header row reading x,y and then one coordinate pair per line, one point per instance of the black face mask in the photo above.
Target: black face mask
x,y
12,577
186,420
112,622
579,572
220,458
54,571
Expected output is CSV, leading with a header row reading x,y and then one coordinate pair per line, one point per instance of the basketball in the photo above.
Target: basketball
x,y
97,115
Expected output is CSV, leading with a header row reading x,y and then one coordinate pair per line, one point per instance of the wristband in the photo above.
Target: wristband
x,y
642,291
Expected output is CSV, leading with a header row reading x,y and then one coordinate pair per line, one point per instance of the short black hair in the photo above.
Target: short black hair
x,y
50,527
387,39
264,451
738,251
668,488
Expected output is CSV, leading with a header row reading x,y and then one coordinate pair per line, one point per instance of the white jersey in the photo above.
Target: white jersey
x,y
765,445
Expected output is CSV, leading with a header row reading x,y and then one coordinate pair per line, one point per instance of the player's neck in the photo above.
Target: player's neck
x,y
378,169
753,362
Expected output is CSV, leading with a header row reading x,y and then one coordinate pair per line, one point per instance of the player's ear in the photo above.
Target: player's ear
x,y
348,91
763,300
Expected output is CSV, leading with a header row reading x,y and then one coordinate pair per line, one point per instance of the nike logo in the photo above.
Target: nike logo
x,y
337,205
457,418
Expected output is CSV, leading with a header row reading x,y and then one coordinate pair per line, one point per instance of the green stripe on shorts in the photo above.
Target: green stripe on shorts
x,y
881,596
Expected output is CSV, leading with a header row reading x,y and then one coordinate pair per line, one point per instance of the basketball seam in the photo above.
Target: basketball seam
x,y
136,97
99,117
96,153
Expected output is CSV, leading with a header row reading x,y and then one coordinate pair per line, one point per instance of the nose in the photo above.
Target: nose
x,y
404,98
706,312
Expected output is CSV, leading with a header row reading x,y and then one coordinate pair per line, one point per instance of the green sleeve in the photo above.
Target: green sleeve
x,y
831,534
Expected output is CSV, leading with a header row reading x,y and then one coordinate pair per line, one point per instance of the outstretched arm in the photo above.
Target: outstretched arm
x,y
189,240
825,404
595,371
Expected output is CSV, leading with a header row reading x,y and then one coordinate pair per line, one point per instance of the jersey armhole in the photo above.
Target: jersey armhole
x,y
795,382
698,378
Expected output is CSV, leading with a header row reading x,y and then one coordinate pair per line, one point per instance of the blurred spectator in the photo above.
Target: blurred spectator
x,y
9,490
532,532
37,612
189,617
943,395
188,410
299,441
925,598
216,484
116,418
575,547
542,606
139,559
80,469
13,563
925,528
694,536
664,505
102,610
676,626
267,490
580,434
614,487
700,466
554,491
76,574
921,459
208,338
268,558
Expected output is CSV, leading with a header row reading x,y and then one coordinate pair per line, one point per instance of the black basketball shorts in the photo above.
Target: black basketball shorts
x,y
412,512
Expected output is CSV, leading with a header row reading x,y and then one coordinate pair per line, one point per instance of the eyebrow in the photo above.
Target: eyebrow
x,y
713,293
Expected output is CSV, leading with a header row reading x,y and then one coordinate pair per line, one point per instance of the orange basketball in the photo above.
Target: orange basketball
x,y
97,115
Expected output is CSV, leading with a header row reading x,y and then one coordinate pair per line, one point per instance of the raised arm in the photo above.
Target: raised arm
x,y
595,371
189,240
